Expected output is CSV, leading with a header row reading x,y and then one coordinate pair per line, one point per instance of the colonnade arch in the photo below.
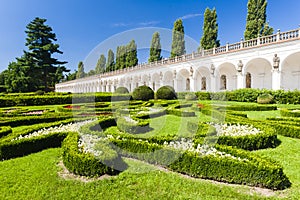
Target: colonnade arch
x,y
290,72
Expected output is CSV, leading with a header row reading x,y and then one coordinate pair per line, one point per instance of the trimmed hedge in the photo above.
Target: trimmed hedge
x,y
180,113
36,100
268,139
86,164
166,92
5,130
122,90
143,93
265,99
290,113
255,172
142,126
30,120
19,148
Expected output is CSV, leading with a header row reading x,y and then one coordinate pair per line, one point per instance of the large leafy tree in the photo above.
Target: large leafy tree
x,y
256,24
210,30
80,71
100,67
131,54
155,48
40,42
110,65
178,43
16,79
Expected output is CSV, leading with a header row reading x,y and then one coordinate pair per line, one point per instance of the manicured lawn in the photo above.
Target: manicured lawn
x,y
36,177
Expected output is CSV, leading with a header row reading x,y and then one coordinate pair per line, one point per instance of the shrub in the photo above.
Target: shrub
x,y
5,130
290,113
144,93
39,92
122,90
86,164
190,97
265,99
166,92
137,127
255,171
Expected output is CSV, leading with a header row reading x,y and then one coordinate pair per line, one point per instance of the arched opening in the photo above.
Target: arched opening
x,y
248,80
203,83
260,70
223,82
187,84
227,78
290,72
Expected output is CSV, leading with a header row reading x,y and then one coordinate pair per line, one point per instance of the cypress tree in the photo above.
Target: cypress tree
x,y
110,65
131,54
178,43
100,67
155,48
256,24
80,72
210,30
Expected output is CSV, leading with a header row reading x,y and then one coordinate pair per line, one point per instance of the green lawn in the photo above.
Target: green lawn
x,y
36,177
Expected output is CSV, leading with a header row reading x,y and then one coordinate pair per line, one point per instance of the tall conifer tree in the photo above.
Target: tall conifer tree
x,y
80,71
155,48
110,65
256,24
210,30
131,54
100,67
178,43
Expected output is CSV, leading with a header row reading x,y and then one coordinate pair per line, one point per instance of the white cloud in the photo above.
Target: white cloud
x,y
188,16
121,24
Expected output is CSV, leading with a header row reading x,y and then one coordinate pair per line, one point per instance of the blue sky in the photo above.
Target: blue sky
x,y
82,25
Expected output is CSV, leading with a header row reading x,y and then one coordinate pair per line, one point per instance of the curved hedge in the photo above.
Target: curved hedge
x,y
144,93
268,139
166,93
5,130
256,171
141,126
86,164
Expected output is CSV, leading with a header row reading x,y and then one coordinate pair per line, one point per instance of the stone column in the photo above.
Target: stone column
x,y
240,80
161,83
276,80
240,76
213,80
175,84
192,80
276,74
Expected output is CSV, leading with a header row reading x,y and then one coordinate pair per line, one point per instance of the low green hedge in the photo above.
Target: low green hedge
x,y
256,171
30,120
142,126
5,130
151,115
268,139
289,113
86,164
251,107
22,147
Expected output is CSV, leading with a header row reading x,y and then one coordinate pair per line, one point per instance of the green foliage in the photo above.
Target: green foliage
x,y
43,67
256,24
110,65
100,67
190,97
256,171
166,92
17,148
290,113
141,126
80,72
265,99
209,38
86,164
155,48
178,43
5,130
126,56
39,92
122,90
143,92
